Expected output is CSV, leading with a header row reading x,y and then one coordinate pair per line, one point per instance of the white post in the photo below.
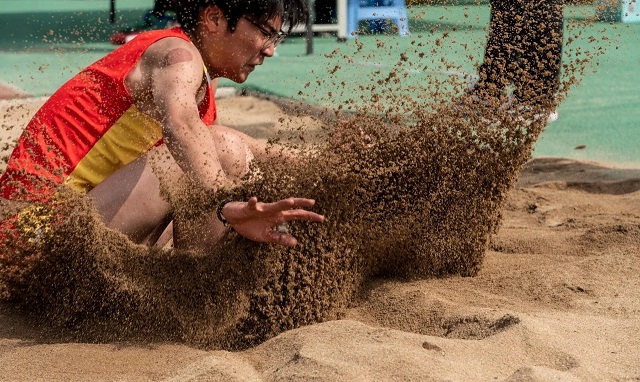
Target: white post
x,y
341,13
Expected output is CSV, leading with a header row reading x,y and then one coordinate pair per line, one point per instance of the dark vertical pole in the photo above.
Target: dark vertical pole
x,y
309,34
112,12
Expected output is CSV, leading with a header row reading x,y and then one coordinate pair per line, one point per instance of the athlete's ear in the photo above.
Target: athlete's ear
x,y
213,18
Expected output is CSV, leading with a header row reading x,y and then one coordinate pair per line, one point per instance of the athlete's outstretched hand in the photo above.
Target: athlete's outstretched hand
x,y
266,222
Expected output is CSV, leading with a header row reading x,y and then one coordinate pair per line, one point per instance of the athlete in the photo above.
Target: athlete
x,y
148,108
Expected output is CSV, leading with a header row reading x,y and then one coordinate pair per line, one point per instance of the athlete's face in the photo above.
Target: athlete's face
x,y
255,42
243,49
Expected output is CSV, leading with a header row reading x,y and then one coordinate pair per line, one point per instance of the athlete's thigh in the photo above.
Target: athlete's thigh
x,y
130,200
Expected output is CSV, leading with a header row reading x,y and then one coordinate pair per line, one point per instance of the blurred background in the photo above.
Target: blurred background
x,y
43,43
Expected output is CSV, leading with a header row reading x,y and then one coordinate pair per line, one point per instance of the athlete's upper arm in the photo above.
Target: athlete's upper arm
x,y
176,70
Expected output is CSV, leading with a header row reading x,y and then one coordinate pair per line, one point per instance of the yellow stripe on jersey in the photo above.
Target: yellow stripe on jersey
x,y
133,134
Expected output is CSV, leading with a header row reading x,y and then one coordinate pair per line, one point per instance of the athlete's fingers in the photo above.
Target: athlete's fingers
x,y
252,204
287,204
305,215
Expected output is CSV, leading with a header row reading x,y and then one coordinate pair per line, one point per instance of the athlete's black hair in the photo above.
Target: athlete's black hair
x,y
292,12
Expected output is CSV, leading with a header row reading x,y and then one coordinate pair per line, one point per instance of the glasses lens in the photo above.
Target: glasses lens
x,y
277,39
274,37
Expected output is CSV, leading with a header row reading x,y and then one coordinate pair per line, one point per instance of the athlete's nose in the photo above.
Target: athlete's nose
x,y
269,50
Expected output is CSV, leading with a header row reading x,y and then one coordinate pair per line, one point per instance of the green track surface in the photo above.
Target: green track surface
x,y
43,43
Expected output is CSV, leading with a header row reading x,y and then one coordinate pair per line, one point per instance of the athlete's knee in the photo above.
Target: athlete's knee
x,y
233,152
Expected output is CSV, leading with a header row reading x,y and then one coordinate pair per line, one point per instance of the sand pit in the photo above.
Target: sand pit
x,y
555,298
446,253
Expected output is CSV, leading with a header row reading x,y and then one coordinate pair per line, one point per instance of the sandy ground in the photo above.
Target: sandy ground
x,y
558,299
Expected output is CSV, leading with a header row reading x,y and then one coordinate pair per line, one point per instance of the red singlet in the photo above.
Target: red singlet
x,y
89,128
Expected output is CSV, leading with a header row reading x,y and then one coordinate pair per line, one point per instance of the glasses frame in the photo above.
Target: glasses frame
x,y
272,37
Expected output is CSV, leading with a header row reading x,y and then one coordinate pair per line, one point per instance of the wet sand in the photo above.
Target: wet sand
x,y
557,298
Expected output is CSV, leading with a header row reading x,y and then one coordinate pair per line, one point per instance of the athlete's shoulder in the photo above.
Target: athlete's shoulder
x,y
166,51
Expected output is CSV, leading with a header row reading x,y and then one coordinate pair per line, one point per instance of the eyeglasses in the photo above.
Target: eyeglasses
x,y
271,37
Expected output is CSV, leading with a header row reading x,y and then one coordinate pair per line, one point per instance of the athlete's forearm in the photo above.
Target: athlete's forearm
x,y
193,147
